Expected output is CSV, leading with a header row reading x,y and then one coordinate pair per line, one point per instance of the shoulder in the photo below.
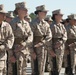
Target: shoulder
x,y
68,26
15,20
52,25
46,24
34,21
6,25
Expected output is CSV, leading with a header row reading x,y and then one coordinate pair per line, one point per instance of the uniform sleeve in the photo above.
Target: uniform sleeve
x,y
48,39
8,42
10,38
29,41
33,26
65,34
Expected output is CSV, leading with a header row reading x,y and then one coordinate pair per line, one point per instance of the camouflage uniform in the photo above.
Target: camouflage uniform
x,y
49,20
9,17
59,38
28,58
7,38
23,36
6,42
66,59
27,18
71,32
42,33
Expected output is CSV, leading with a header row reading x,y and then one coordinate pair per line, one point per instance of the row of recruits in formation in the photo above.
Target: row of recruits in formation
x,y
48,42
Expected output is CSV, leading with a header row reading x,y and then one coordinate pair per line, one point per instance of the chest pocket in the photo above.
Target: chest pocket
x,y
4,33
59,31
72,33
26,30
19,30
41,30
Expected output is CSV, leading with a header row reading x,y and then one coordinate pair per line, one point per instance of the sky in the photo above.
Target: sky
x,y
67,6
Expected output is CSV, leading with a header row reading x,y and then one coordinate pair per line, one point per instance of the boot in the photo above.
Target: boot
x,y
70,72
55,72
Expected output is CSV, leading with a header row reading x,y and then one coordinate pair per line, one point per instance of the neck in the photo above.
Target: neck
x,y
0,22
40,18
72,24
57,22
21,17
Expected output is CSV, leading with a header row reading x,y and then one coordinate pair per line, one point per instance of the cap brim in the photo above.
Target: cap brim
x,y
24,8
61,14
44,10
3,12
73,19
36,12
10,16
15,11
51,20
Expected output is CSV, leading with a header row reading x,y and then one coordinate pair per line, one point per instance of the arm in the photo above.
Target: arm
x,y
29,40
47,41
8,41
64,34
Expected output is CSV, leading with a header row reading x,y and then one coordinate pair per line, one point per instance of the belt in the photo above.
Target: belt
x,y
55,39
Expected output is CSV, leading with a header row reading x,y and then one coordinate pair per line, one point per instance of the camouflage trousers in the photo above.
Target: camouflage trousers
x,y
10,68
59,51
73,58
47,65
38,65
21,63
3,66
65,60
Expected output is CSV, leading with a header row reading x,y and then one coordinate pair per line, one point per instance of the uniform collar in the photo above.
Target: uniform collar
x,y
57,23
20,21
72,25
40,21
3,24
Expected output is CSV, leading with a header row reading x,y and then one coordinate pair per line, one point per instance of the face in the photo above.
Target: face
x,y
2,16
58,17
8,19
73,22
50,22
22,12
42,14
66,23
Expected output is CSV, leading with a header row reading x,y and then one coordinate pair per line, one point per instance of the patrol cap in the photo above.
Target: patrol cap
x,y
58,11
72,16
40,8
2,9
48,19
21,5
10,14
